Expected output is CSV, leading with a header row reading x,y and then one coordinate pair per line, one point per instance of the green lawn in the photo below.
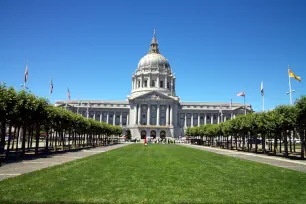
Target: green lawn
x,y
157,174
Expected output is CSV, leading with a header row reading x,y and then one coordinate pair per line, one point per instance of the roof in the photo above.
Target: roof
x,y
91,101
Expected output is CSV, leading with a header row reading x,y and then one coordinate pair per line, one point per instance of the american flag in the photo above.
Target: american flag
x,y
51,86
241,93
26,73
68,94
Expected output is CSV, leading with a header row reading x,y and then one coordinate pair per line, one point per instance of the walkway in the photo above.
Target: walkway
x,y
26,166
297,165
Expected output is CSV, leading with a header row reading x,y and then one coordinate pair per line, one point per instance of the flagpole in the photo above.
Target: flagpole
x,y
290,91
244,103
78,104
231,108
50,90
263,103
87,110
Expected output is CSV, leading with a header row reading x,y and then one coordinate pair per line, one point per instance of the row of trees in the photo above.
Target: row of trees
x,y
270,130
25,118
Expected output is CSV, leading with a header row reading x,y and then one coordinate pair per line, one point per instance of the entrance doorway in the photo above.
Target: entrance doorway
x,y
153,134
162,134
143,134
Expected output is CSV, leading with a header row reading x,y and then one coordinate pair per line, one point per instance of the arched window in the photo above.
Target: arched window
x,y
143,134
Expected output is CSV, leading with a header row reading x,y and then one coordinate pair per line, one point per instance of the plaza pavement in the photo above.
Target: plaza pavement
x,y
297,165
26,166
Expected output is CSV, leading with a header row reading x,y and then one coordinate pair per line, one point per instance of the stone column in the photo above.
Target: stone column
x,y
94,116
141,83
205,118
127,119
167,115
185,121
120,119
132,83
157,81
211,118
224,118
149,81
139,110
136,114
171,115
218,119
191,120
157,114
199,120
148,115
107,117
101,116
166,81
114,118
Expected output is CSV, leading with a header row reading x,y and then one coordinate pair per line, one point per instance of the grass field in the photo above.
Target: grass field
x,y
157,174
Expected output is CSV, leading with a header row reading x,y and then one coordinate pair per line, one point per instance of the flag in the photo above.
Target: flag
x,y
241,93
51,86
68,93
26,73
262,88
292,75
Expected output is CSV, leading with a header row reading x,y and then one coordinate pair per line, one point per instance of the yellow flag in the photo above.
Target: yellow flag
x,y
292,75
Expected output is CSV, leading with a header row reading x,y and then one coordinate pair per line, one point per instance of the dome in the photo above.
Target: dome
x,y
153,60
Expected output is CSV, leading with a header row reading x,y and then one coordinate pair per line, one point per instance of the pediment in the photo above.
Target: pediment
x,y
153,95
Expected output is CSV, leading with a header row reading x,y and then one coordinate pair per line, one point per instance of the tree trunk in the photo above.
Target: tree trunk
x,y
3,132
302,144
256,145
280,142
24,130
47,140
286,144
16,131
263,143
275,144
236,142
9,140
37,131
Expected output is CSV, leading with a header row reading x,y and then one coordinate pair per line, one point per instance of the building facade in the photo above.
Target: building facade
x,y
153,109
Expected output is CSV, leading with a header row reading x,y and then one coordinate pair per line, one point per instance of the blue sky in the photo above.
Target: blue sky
x,y
215,48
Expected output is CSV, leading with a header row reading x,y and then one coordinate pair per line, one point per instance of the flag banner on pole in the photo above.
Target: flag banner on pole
x,y
51,86
292,75
262,89
26,74
68,93
241,93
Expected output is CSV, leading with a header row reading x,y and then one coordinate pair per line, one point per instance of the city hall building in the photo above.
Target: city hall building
x,y
153,109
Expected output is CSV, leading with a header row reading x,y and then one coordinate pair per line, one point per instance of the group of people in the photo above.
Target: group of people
x,y
159,141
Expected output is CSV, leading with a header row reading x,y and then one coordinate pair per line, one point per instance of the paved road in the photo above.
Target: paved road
x,y
299,165
18,168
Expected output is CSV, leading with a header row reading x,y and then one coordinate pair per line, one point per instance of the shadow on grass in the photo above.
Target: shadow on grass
x,y
291,156
15,157
54,202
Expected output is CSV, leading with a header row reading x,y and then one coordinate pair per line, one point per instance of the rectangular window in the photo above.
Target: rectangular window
x,y
168,85
161,84
153,83
145,83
